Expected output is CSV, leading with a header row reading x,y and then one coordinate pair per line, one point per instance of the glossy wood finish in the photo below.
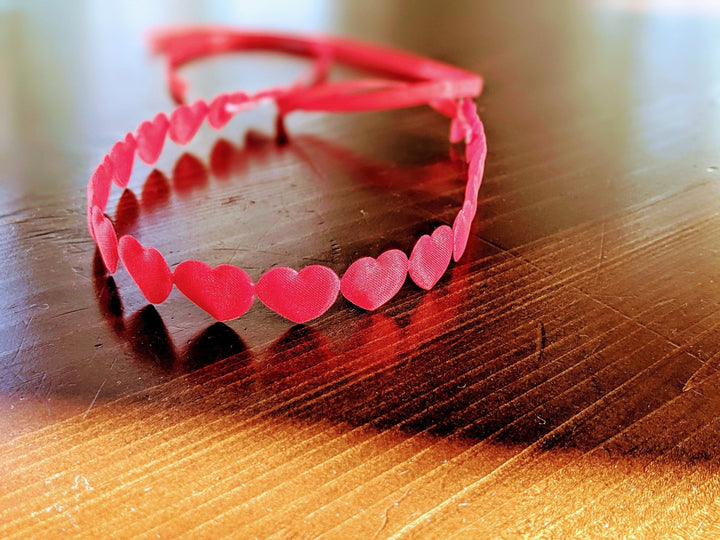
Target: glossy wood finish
x,y
561,379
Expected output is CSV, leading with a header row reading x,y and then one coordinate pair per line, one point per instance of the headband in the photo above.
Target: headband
x,y
226,291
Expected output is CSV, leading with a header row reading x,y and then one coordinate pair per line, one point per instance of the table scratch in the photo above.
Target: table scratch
x,y
94,399
385,515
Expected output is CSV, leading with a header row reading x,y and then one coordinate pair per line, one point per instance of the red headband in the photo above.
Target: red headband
x,y
227,292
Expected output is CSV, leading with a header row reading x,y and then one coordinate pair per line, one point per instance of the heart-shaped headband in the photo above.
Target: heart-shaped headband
x,y
226,291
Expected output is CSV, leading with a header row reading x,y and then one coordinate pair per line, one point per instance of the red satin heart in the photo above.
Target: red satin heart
x,y
121,158
225,106
150,137
217,114
186,120
476,141
106,239
477,152
430,257
369,283
225,292
98,189
298,296
147,267
461,229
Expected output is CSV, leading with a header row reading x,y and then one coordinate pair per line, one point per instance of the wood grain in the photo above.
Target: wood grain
x,y
560,381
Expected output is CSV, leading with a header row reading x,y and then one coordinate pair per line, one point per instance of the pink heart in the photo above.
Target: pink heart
x,y
430,257
150,137
148,269
186,120
225,106
121,157
298,296
369,283
105,238
225,292
98,189
477,152
217,114
472,188
461,228
477,142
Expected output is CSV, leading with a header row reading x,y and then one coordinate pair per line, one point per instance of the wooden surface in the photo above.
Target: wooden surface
x,y
562,379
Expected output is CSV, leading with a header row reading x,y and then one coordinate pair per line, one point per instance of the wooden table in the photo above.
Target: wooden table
x,y
561,379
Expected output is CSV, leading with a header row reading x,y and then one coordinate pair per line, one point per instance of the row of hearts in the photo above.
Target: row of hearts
x,y
227,292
